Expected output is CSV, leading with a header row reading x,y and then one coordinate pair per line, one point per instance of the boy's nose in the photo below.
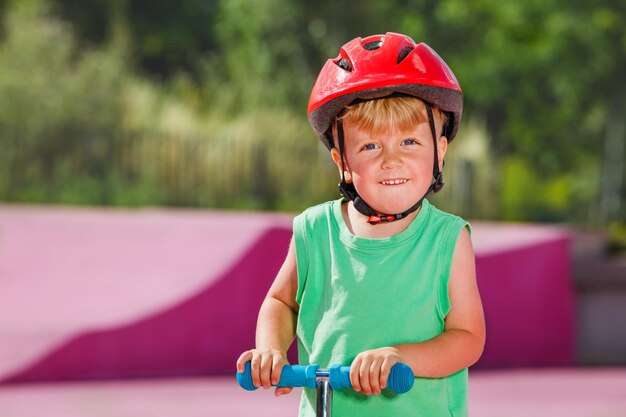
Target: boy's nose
x,y
391,159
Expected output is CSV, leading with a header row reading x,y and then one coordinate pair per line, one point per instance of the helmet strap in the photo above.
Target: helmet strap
x,y
348,191
437,174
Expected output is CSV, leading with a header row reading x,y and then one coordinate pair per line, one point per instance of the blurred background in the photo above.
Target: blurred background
x,y
203,103
198,108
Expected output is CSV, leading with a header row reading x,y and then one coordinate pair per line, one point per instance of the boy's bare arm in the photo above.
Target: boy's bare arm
x,y
459,346
276,326
462,342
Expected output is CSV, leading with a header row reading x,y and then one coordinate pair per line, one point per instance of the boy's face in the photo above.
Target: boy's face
x,y
393,170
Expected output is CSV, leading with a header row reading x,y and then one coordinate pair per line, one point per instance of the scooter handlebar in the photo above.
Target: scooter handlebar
x,y
401,377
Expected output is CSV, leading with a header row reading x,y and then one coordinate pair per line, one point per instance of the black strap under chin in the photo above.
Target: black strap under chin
x,y
348,191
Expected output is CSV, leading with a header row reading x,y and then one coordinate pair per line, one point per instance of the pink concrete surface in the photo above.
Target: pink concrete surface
x,y
104,293
520,393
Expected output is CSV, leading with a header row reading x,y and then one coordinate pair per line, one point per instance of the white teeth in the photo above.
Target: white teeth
x,y
393,182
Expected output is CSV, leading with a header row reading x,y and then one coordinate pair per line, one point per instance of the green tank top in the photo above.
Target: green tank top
x,y
357,294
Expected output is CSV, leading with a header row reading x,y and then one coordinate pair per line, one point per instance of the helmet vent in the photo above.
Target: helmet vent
x,y
370,46
403,53
345,64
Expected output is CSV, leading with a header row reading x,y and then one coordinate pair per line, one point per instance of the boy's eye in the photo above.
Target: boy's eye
x,y
410,142
369,147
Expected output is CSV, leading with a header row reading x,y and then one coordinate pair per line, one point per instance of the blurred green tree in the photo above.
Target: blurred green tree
x,y
544,78
59,108
547,76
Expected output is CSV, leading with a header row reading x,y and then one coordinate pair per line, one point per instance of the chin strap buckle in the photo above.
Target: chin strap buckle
x,y
384,218
374,220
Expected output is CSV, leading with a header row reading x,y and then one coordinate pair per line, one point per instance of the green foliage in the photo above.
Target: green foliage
x,y
527,195
616,234
202,103
261,62
58,106
539,73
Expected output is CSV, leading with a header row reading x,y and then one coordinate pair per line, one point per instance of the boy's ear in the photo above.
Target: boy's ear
x,y
442,147
334,153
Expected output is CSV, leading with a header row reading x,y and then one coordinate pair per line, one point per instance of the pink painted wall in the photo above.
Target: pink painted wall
x,y
529,305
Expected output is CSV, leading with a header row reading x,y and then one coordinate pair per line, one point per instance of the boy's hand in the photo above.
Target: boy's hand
x,y
266,366
370,370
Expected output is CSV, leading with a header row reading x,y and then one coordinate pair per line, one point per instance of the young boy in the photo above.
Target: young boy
x,y
380,276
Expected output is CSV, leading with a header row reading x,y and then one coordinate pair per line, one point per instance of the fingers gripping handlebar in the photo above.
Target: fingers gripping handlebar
x,y
401,377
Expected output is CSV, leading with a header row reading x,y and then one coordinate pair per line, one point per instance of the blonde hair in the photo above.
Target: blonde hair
x,y
401,113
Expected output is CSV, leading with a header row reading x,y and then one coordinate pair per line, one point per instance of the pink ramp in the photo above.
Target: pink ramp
x,y
89,293
101,293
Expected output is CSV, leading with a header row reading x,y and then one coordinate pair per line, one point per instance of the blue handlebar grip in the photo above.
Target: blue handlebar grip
x,y
297,376
290,376
245,379
339,377
401,378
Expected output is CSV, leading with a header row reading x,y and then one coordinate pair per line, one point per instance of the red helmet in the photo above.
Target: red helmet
x,y
378,66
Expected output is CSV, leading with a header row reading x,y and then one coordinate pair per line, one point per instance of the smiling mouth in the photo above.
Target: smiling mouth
x,y
394,181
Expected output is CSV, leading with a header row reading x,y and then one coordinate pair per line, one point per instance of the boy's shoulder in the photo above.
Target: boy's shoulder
x,y
319,213
444,218
437,212
318,210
